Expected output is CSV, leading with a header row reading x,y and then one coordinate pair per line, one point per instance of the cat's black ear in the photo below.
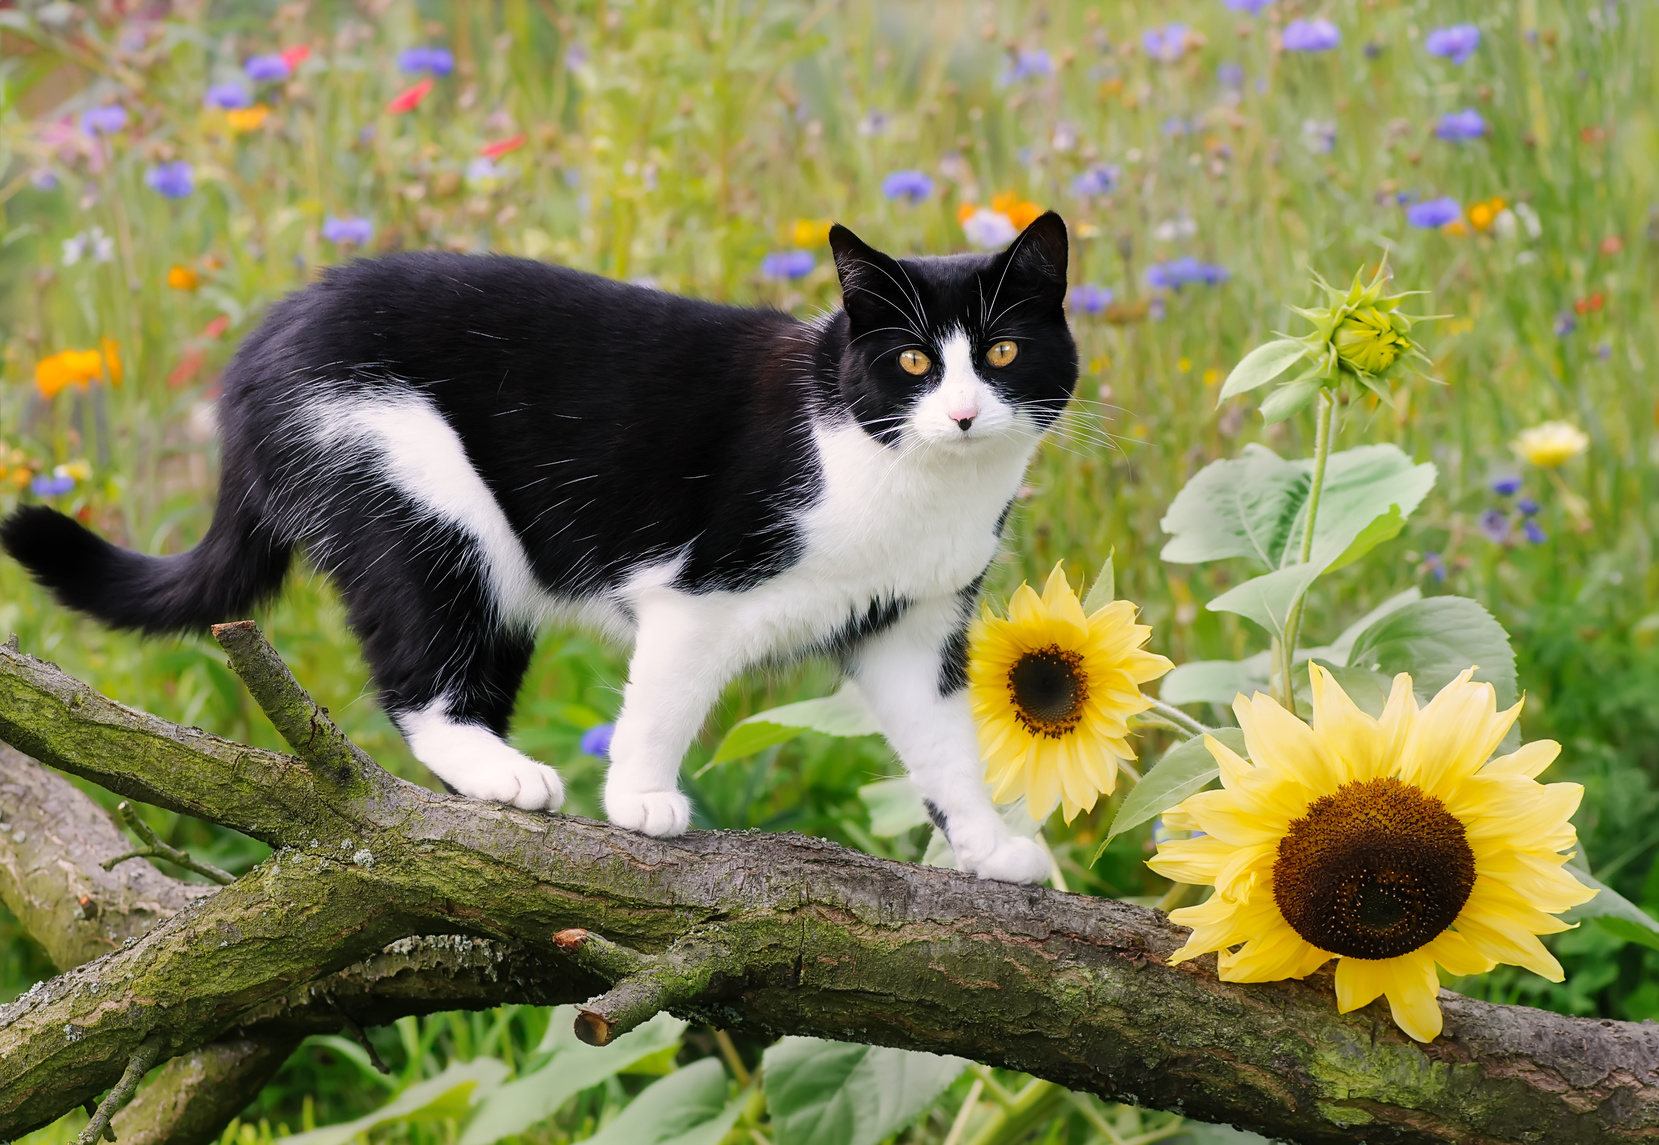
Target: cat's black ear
x,y
872,284
1037,257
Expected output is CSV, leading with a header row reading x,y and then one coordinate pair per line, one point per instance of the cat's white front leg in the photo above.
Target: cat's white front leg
x,y
926,719
682,659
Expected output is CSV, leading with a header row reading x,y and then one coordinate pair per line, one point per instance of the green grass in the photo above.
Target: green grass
x,y
681,143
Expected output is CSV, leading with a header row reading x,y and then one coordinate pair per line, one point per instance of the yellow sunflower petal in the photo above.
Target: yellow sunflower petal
x,y
1454,952
1359,982
1278,739
1356,748
1191,860
1278,954
1454,735
1529,761
1413,990
1062,603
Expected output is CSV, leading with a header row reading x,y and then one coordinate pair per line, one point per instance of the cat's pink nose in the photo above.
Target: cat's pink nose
x,y
964,417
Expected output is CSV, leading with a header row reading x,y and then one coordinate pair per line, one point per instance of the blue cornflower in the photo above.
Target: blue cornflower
x,y
1184,271
1565,323
104,120
1432,213
175,180
1534,532
1098,180
1528,507
438,61
44,486
42,179
266,69
788,264
1090,299
1311,36
596,741
1436,564
912,185
348,230
1230,75
1495,524
228,96
1460,126
1254,7
1456,43
576,57
1028,63
1176,126
1507,486
1167,44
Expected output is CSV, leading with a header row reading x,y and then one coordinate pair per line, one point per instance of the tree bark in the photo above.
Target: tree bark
x,y
772,933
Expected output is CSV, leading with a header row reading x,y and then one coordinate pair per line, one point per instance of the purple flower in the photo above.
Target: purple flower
x,y
1098,180
266,69
1506,486
1167,44
596,741
42,179
576,57
1090,299
788,264
1404,198
1456,43
912,185
1311,36
228,96
1435,564
1495,525
1565,323
1432,213
1460,126
1534,532
1176,273
1176,127
1230,75
438,61
1604,351
353,230
1527,506
104,120
1319,135
174,180
1254,7
44,486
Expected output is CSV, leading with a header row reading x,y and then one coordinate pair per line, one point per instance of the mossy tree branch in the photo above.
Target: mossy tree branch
x,y
812,939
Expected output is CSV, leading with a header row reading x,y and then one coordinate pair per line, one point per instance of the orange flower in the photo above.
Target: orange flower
x,y
1483,214
810,232
243,119
501,146
181,277
112,359
67,368
410,97
1021,212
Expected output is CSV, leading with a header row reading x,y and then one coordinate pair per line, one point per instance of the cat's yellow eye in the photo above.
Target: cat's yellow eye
x,y
1001,354
916,362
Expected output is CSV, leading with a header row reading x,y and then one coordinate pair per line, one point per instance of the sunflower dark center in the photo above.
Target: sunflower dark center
x,y
1374,870
1048,688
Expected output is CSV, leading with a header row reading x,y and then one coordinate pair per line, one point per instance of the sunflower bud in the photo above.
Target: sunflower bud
x,y
1370,340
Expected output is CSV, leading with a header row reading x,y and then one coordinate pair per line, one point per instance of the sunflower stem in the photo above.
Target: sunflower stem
x,y
1177,895
1180,719
1324,415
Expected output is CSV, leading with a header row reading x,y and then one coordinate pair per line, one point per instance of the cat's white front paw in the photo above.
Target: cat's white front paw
x,y
659,813
1013,860
475,762
520,782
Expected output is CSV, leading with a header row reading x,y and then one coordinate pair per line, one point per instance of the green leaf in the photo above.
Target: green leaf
x,y
1290,399
1612,911
574,1066
835,1093
1104,589
1261,366
843,714
1361,485
449,1095
1184,770
1434,640
1237,507
895,806
688,1107
1384,528
1215,681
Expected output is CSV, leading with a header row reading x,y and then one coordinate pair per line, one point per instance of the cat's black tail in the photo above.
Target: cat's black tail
x,y
236,566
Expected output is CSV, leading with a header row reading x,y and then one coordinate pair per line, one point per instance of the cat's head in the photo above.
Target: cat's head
x,y
957,350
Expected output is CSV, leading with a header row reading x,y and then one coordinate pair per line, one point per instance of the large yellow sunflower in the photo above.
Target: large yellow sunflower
x,y
1391,844
1052,690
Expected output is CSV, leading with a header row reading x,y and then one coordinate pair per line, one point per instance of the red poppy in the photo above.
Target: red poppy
x,y
295,56
501,146
1594,302
410,97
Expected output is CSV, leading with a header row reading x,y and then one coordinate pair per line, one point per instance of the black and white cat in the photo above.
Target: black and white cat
x,y
473,447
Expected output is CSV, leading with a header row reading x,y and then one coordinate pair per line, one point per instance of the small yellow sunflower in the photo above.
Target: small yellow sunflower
x,y
1052,690
1391,844
1550,445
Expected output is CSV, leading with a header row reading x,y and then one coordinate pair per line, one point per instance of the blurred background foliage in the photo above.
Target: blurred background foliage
x,y
703,147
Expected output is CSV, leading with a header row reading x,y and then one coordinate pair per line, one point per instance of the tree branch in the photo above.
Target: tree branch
x,y
823,941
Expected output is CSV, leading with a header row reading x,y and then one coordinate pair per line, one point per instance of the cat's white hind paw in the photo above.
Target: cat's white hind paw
x,y
477,763
1014,860
659,813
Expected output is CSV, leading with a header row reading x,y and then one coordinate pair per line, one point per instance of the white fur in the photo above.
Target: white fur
x,y
914,522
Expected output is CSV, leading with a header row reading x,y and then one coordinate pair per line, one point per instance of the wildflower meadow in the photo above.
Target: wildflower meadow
x,y
1364,453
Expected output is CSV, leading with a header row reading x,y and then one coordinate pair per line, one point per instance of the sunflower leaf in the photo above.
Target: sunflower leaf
x,y
1215,681
1291,398
1612,911
1104,590
1434,640
1184,770
843,714
1237,507
1261,366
